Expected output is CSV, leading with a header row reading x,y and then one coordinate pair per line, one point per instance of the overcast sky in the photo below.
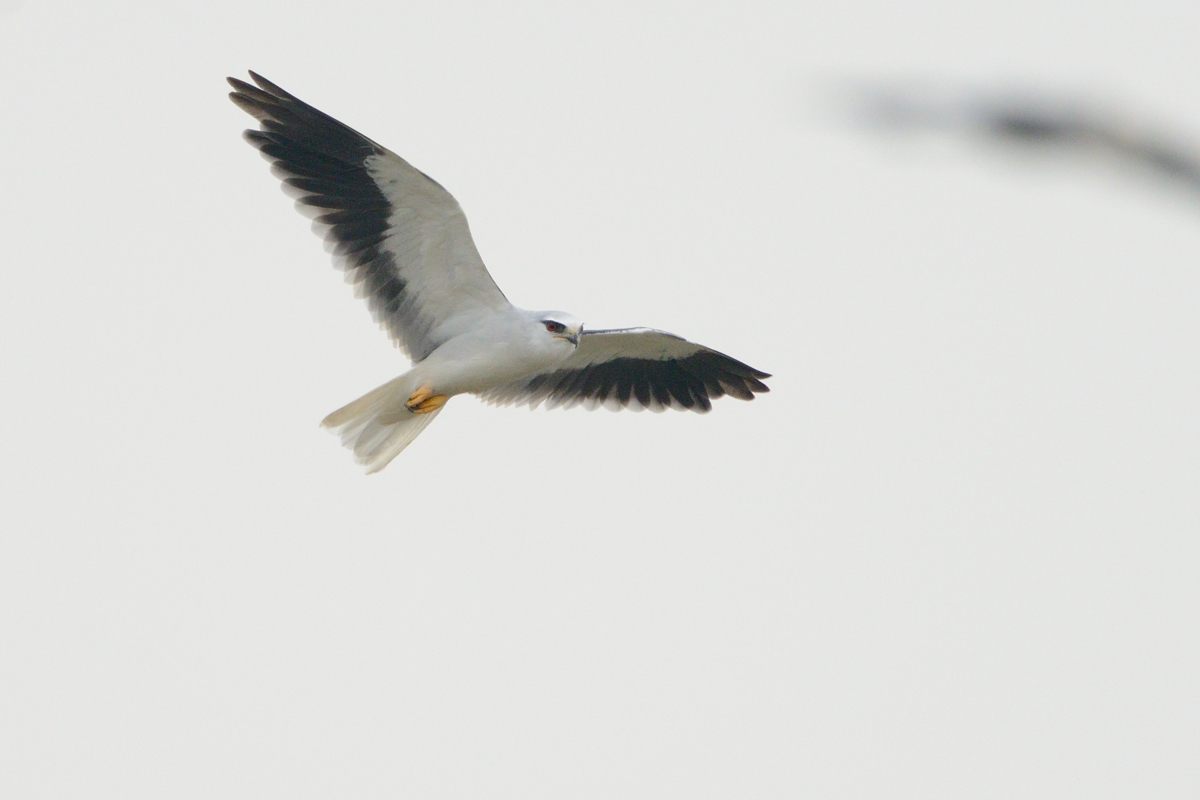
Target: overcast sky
x,y
952,554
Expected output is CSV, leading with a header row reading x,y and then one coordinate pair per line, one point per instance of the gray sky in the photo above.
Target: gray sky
x,y
952,554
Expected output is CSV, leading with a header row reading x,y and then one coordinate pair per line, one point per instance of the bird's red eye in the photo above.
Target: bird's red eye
x,y
554,327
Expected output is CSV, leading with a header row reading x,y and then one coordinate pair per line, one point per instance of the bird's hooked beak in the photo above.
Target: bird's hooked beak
x,y
572,336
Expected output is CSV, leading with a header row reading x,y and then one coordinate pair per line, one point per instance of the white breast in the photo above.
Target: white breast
x,y
500,350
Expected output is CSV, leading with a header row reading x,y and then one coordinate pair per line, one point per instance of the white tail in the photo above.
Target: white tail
x,y
378,425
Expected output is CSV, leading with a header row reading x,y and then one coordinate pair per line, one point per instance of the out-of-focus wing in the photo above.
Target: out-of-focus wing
x,y
401,238
636,368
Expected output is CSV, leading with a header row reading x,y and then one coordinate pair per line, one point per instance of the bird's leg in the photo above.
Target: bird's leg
x,y
423,400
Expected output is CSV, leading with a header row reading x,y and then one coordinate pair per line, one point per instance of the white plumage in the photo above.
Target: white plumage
x,y
404,242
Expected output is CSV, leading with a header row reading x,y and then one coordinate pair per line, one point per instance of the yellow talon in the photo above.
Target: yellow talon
x,y
423,401
432,404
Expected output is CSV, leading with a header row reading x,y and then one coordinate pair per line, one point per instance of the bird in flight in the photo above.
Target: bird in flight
x,y
403,241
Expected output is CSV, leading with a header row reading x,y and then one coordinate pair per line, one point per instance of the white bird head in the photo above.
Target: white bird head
x,y
559,325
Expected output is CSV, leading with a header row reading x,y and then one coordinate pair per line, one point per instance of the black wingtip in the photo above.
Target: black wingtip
x,y
260,88
269,87
244,102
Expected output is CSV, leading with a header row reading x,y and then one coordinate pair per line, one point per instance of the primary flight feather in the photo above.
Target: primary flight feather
x,y
404,242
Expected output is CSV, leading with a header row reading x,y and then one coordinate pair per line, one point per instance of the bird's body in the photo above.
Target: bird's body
x,y
405,243
504,347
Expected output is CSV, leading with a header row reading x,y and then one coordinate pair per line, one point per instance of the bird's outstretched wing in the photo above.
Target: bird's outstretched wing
x,y
636,368
401,238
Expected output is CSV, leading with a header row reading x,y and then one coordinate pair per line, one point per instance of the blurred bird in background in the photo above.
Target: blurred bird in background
x,y
1030,120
